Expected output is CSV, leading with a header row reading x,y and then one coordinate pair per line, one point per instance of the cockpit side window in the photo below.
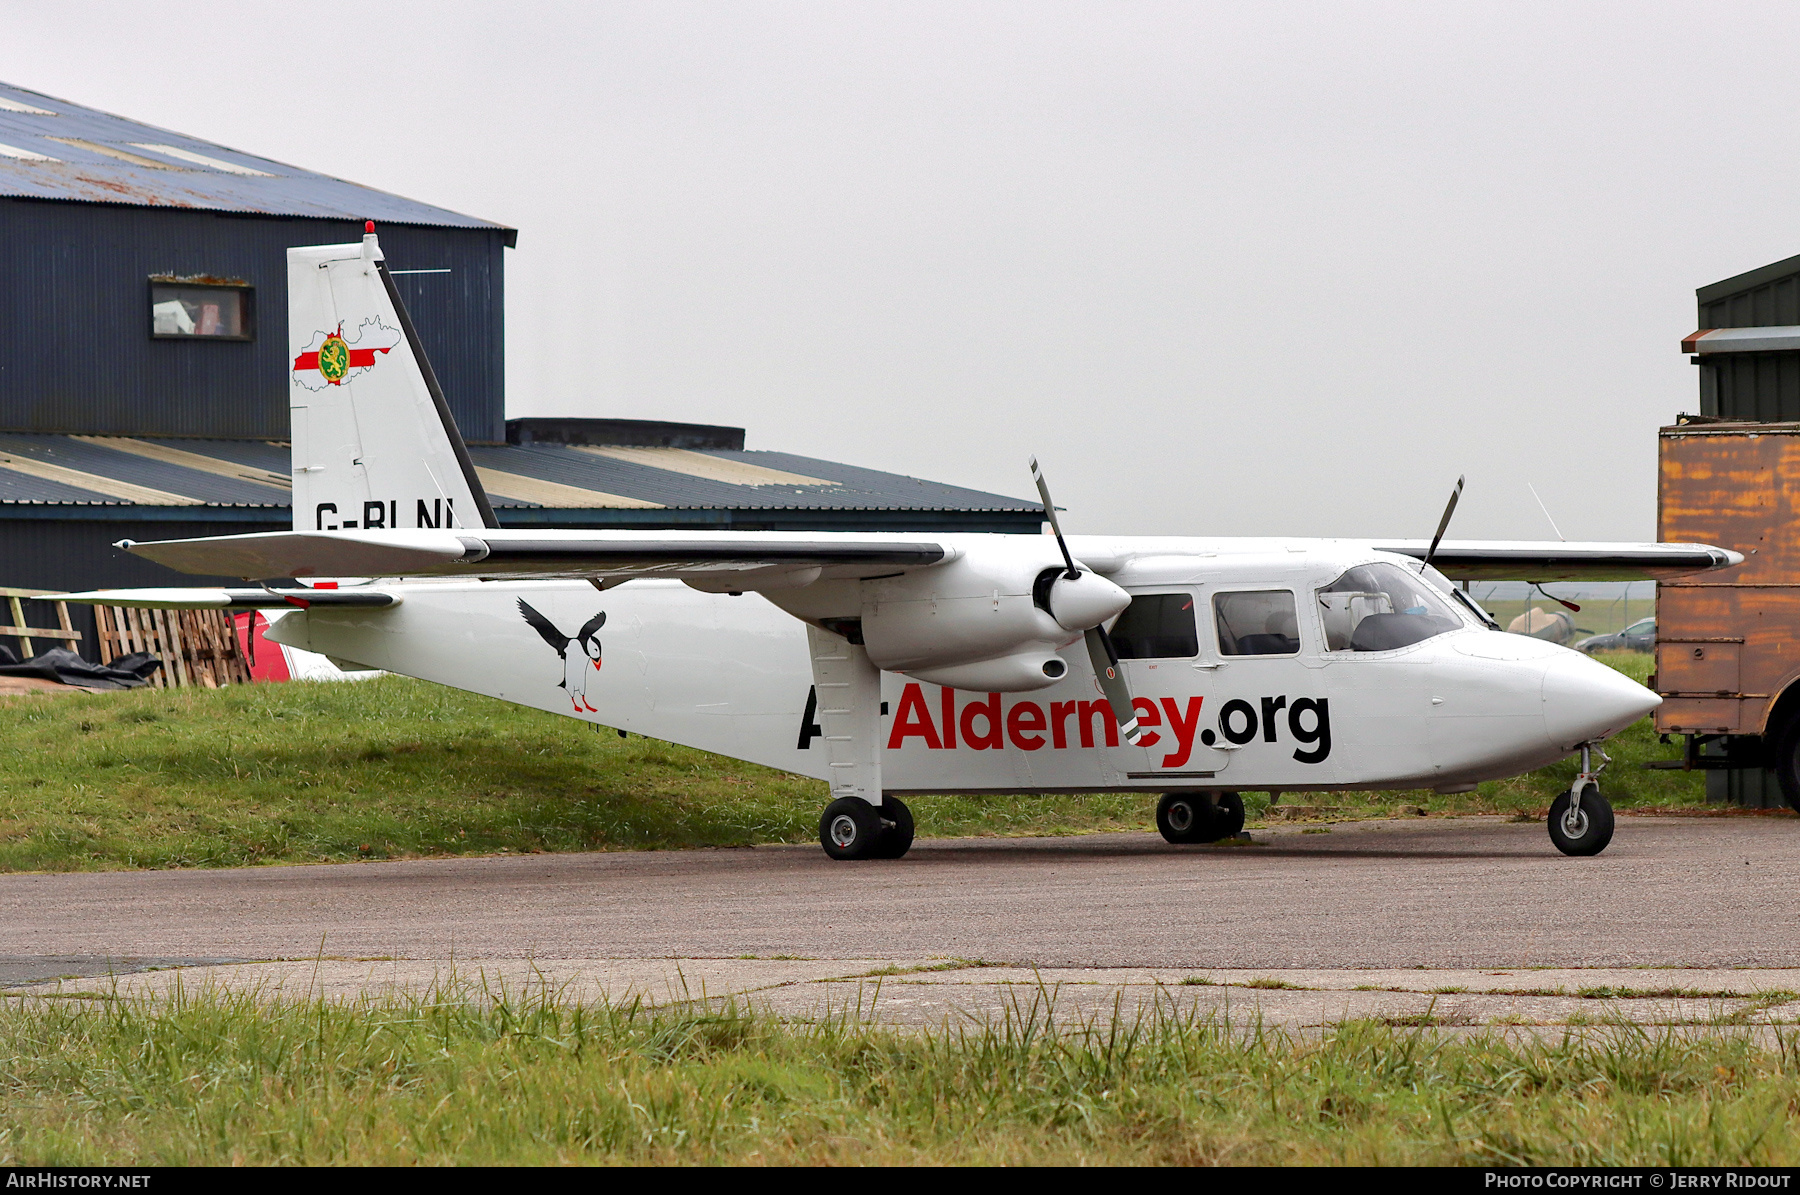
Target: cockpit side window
x,y
1257,623
1378,607
1157,626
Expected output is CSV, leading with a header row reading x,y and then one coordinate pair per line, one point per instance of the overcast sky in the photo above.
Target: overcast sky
x,y
1227,268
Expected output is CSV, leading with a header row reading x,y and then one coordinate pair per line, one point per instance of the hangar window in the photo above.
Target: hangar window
x,y
184,310
1378,607
1157,626
1257,623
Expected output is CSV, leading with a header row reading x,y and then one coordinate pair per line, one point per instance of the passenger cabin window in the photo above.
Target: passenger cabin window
x,y
1378,607
199,311
1260,623
1157,626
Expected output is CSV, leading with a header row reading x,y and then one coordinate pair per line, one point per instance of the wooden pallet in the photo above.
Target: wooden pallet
x,y
67,634
198,648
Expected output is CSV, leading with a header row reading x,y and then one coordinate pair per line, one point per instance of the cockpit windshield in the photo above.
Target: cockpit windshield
x,y
1378,607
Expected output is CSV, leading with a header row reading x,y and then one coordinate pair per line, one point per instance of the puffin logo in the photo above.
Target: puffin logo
x,y
331,359
580,664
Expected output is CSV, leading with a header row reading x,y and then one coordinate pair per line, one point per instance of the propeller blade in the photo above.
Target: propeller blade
x,y
1112,683
1043,489
1101,652
1444,523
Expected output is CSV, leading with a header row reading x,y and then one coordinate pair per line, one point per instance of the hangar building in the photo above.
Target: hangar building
x,y
143,370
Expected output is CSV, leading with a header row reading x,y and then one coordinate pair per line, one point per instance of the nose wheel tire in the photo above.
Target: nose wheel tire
x,y
1583,830
1199,817
851,828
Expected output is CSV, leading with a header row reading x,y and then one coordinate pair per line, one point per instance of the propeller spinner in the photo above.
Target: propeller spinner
x,y
1101,651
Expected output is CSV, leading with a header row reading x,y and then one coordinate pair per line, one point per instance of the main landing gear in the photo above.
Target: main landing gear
x,y
1199,817
851,828
1581,822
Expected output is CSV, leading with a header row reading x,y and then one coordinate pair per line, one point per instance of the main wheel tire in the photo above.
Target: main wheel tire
x,y
896,829
1585,830
1228,816
850,828
1199,817
1784,758
1182,817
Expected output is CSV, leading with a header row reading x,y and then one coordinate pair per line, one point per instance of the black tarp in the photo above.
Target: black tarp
x,y
64,667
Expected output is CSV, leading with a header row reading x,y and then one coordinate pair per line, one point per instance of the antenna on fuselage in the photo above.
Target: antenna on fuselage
x,y
1546,510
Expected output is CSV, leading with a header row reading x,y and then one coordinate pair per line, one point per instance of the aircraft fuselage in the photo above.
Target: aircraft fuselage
x,y
731,674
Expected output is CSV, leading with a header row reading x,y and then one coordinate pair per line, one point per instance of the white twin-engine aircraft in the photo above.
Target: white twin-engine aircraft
x,y
890,663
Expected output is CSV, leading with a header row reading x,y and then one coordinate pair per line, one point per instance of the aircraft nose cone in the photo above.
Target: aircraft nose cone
x,y
1585,700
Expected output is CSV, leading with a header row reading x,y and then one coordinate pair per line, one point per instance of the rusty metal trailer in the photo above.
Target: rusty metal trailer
x,y
1728,644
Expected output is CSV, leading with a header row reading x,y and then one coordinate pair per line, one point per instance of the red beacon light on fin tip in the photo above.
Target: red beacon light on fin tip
x,y
368,226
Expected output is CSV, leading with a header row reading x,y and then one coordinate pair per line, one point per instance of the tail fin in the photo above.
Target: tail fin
x,y
374,443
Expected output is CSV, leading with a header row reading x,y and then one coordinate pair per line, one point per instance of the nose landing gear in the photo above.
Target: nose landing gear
x,y
1581,822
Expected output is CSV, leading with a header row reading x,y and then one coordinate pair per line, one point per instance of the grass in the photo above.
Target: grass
x,y
953,964
208,1079
396,768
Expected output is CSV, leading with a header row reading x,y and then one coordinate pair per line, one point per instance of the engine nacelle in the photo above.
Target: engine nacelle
x,y
1018,673
992,620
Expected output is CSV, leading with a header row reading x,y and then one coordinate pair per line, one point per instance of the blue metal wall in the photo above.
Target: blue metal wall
x,y
75,348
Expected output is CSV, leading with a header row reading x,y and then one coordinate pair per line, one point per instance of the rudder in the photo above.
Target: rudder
x,y
374,444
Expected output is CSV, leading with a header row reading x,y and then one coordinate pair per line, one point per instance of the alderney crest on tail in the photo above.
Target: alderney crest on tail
x,y
331,358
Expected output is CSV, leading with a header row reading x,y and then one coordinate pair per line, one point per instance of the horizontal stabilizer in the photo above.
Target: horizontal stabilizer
x,y
1526,560
311,553
229,599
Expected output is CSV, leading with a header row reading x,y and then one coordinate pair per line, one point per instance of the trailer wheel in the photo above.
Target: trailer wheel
x,y
1785,759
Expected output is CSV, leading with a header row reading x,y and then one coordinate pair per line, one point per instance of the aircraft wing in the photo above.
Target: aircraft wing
x,y
490,552
1526,560
760,556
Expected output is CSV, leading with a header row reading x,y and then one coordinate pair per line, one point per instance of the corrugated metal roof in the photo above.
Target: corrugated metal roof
x,y
106,470
54,149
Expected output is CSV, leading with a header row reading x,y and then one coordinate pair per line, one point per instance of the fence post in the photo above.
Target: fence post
x,y
18,617
62,620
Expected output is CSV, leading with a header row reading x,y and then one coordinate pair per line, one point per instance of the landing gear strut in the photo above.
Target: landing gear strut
x,y
1199,817
851,828
1581,822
